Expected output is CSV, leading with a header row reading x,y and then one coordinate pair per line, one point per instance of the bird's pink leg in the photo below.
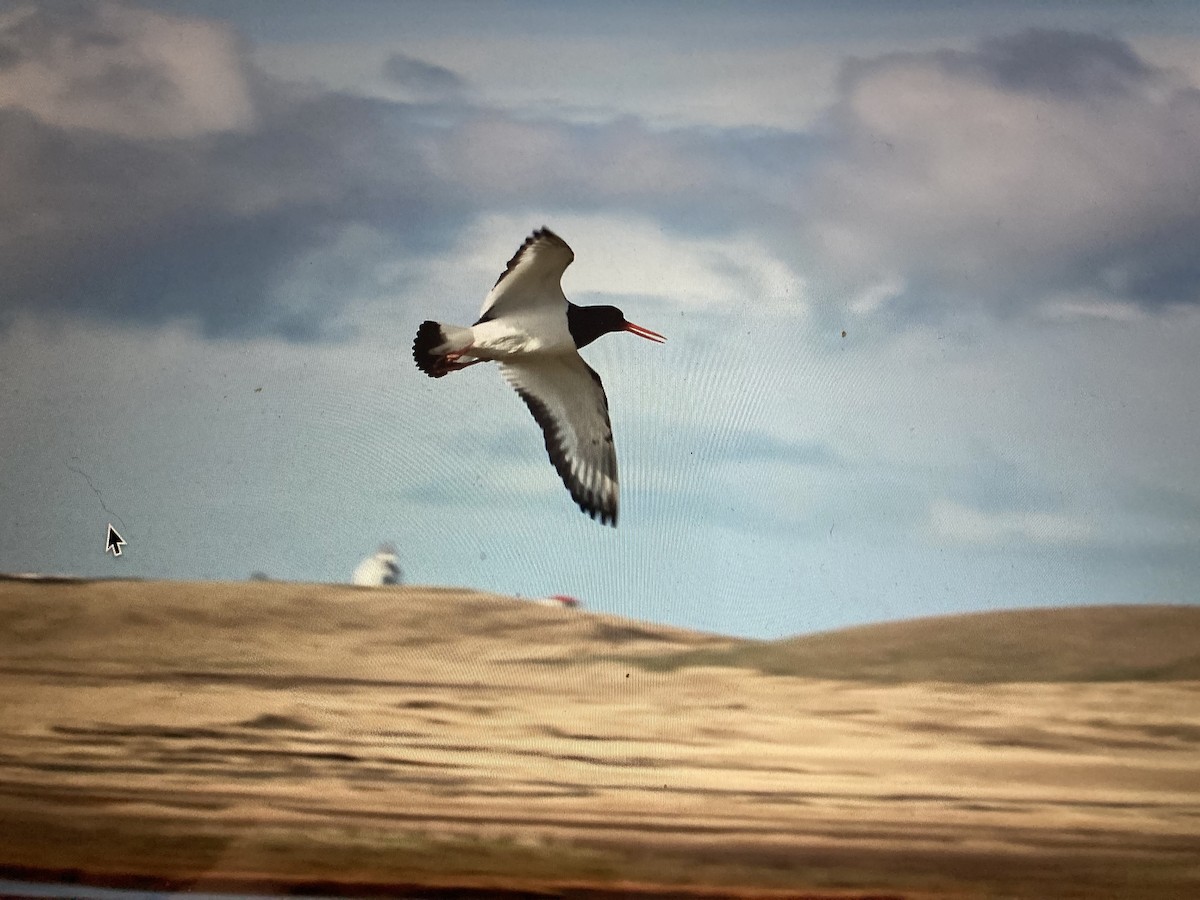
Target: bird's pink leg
x,y
456,366
456,355
450,362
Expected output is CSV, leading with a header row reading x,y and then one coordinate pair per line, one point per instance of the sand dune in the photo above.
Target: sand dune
x,y
284,736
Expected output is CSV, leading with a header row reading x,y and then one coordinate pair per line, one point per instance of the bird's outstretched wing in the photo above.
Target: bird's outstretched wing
x,y
532,279
567,399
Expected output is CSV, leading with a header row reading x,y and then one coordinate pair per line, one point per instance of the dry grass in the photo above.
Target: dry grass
x,y
1102,643
273,736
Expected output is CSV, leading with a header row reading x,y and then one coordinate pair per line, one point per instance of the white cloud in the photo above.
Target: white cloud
x,y
123,71
1038,163
280,224
1177,51
1077,305
874,296
499,155
630,256
957,523
140,183
596,80
616,257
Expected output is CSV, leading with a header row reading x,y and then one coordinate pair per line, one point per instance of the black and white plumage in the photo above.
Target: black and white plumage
x,y
380,569
528,326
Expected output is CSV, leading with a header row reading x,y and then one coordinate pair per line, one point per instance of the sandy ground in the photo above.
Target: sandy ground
x,y
286,737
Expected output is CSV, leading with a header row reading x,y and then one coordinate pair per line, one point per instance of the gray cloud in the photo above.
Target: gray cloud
x,y
425,80
1039,168
149,173
113,68
1060,62
156,199
204,230
52,32
128,192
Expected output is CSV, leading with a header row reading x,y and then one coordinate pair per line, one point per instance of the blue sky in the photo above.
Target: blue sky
x,y
221,224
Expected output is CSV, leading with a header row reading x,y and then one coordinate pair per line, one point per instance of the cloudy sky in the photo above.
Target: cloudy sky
x,y
929,275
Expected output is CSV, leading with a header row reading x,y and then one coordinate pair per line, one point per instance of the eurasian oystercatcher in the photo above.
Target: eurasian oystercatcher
x,y
534,332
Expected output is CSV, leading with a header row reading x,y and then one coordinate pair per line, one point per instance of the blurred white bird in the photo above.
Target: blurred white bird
x,y
379,569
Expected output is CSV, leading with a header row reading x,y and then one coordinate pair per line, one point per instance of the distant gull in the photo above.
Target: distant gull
x,y
377,570
529,327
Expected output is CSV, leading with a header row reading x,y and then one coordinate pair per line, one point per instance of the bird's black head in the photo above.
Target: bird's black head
x,y
590,322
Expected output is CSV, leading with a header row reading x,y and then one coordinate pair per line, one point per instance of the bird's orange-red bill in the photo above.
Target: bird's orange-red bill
x,y
644,332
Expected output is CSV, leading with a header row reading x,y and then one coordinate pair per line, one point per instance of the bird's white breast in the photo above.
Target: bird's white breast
x,y
521,335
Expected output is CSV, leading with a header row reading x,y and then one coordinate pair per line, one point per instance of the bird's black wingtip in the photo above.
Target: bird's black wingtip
x,y
600,505
603,516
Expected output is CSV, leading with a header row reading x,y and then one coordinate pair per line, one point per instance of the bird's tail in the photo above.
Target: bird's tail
x,y
435,343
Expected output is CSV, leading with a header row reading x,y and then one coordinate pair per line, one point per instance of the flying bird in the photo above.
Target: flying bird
x,y
534,332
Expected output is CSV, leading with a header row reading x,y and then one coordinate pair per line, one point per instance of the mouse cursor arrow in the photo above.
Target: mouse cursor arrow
x,y
115,542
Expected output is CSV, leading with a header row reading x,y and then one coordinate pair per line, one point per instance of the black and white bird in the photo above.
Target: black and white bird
x,y
534,332
380,569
